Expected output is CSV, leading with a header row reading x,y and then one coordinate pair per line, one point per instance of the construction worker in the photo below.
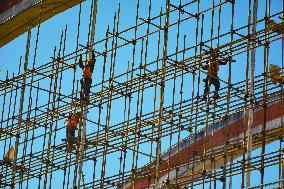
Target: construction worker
x,y
275,73
278,28
212,77
86,80
9,157
71,125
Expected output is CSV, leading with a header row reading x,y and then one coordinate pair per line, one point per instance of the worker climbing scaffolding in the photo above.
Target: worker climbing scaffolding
x,y
71,126
86,80
212,76
86,83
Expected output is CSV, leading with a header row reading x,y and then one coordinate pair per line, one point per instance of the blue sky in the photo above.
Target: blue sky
x,y
50,32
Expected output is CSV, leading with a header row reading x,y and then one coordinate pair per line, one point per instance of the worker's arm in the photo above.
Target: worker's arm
x,y
92,66
93,61
81,65
93,57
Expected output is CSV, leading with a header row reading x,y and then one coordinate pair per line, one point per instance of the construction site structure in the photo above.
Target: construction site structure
x,y
146,123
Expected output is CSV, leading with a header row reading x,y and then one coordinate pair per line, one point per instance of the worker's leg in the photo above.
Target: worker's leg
x,y
82,88
206,86
216,83
70,138
88,83
72,134
67,134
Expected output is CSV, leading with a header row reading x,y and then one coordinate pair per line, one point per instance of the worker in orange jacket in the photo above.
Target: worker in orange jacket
x,y
71,125
212,77
86,80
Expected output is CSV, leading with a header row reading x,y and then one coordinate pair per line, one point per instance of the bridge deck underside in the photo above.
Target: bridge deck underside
x,y
21,16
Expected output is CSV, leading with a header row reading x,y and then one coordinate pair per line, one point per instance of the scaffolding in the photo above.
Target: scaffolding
x,y
147,123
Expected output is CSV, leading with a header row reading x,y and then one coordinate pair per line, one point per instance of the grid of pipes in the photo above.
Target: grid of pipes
x,y
145,106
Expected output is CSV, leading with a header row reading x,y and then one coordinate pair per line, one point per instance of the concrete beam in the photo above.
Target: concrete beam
x,y
17,15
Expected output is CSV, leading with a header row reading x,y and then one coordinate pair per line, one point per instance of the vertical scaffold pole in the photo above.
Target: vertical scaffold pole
x,y
85,107
281,184
162,89
94,21
250,118
20,120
